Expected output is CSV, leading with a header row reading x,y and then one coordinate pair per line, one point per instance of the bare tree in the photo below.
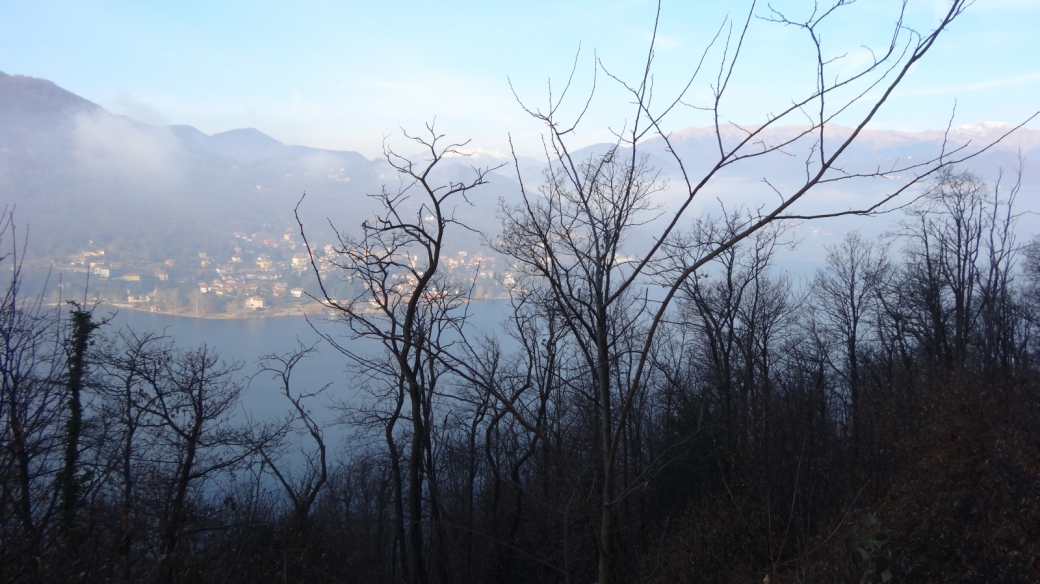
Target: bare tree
x,y
407,304
31,412
734,308
847,289
128,363
569,236
960,251
192,399
303,490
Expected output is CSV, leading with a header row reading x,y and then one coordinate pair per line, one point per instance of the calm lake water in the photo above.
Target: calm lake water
x,y
246,340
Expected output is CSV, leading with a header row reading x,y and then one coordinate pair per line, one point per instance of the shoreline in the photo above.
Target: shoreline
x,y
305,310
310,309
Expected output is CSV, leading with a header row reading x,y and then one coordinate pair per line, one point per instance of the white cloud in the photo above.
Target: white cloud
x,y
662,42
305,109
125,104
478,153
122,149
383,84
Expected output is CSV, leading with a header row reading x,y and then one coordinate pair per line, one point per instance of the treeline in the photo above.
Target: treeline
x,y
879,422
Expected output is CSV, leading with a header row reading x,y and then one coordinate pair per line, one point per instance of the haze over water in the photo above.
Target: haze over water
x,y
247,340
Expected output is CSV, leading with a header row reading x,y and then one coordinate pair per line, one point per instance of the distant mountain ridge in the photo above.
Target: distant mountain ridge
x,y
873,151
871,148
76,172
23,97
26,100
1024,138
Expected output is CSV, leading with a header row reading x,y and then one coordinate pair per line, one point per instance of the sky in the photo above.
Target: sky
x,y
347,75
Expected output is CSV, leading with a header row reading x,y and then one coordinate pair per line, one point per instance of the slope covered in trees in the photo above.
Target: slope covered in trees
x,y
879,418
663,402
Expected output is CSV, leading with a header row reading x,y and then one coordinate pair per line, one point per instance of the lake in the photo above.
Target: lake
x,y
246,340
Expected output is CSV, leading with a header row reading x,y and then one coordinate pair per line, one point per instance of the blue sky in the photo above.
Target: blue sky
x,y
344,74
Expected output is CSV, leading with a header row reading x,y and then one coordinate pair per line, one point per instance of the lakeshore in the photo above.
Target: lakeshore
x,y
308,309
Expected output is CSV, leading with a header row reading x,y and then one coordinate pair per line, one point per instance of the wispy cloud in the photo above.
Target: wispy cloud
x,y
305,109
383,84
662,42
1011,81
118,148
125,104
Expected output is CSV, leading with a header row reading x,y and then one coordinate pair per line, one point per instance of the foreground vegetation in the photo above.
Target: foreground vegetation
x,y
879,422
671,408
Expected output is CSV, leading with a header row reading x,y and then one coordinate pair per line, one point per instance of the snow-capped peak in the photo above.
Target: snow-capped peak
x,y
982,128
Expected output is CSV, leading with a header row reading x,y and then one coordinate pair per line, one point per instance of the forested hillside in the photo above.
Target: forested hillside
x,y
663,400
878,420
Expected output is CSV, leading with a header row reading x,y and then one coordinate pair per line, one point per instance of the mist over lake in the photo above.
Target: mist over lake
x,y
247,340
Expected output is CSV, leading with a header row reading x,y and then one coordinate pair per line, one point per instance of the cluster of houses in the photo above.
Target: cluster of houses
x,y
259,269
93,263
255,272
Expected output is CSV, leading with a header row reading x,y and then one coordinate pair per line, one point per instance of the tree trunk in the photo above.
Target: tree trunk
x,y
82,326
395,477
607,505
415,487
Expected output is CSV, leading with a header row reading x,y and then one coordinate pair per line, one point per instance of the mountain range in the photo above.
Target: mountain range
x,y
75,173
